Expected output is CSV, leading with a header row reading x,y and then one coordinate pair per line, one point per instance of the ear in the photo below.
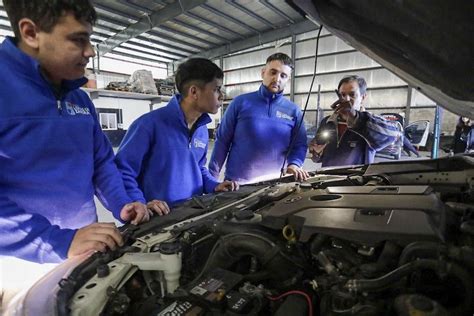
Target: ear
x,y
364,96
29,33
193,92
262,72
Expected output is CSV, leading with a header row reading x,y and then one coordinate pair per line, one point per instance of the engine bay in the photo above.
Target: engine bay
x,y
384,239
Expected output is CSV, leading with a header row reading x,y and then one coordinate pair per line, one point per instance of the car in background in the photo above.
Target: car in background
x,y
393,150
311,133
417,132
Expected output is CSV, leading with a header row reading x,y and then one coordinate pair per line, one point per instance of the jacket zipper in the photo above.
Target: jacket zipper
x,y
337,135
270,104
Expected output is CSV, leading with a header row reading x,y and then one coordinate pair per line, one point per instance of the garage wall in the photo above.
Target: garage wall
x,y
336,59
131,109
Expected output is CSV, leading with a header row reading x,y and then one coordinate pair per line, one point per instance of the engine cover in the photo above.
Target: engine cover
x,y
365,214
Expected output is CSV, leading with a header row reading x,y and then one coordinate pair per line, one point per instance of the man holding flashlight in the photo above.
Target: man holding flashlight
x,y
350,136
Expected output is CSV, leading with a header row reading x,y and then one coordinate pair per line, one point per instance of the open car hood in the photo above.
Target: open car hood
x,y
426,43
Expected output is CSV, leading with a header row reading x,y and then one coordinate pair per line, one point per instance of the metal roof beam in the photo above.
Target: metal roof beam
x,y
136,6
114,11
216,25
252,14
200,30
159,2
167,47
255,41
174,40
191,37
138,57
228,17
5,28
139,46
164,50
161,58
148,22
277,11
111,21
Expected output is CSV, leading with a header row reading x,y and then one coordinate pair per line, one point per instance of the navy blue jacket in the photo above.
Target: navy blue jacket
x,y
359,142
53,158
161,158
254,137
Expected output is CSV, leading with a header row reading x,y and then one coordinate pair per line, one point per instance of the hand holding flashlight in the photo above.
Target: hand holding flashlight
x,y
316,150
343,107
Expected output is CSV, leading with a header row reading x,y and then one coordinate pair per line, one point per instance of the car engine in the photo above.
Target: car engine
x,y
383,239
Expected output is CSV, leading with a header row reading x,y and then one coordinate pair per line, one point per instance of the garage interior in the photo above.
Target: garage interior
x,y
415,217
238,36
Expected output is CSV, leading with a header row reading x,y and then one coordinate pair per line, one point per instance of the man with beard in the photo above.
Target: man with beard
x,y
257,129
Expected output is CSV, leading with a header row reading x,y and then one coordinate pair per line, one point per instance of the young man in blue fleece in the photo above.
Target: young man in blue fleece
x,y
163,155
53,154
256,130
350,136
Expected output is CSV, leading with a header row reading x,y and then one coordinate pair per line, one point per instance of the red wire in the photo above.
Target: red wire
x,y
308,299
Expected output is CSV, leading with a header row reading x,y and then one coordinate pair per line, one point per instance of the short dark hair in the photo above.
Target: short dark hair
x,y
198,71
360,81
284,58
46,13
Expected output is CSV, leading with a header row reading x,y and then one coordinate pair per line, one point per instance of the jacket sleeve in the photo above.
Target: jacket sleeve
x,y
317,139
133,149
208,180
107,179
297,153
31,236
377,131
224,137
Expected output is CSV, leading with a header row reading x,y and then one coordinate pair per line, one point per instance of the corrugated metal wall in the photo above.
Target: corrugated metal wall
x,y
386,93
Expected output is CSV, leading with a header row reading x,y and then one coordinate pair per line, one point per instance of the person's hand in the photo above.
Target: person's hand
x,y
135,212
97,237
297,172
158,207
344,109
227,186
316,150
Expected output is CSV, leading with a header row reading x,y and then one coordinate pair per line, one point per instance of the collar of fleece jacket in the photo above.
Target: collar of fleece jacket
x,y
267,95
177,112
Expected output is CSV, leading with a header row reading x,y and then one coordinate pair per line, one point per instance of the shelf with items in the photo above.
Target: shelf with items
x,y
153,98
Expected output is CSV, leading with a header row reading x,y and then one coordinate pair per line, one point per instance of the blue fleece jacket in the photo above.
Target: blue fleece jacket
x,y
368,134
162,158
255,135
53,157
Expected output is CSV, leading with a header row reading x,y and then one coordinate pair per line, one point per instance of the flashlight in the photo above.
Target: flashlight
x,y
323,137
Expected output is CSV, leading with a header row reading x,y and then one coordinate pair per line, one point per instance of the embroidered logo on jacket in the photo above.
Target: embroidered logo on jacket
x,y
284,116
73,109
199,143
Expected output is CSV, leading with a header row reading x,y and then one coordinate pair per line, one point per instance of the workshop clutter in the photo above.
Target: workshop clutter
x,y
141,81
